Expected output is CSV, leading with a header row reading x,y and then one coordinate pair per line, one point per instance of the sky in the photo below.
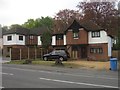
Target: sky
x,y
19,11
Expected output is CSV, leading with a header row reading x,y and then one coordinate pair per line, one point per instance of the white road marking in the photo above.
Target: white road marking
x,y
6,73
79,83
92,76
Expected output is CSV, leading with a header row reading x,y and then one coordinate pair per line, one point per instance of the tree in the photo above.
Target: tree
x,y
4,29
46,39
103,13
67,15
15,26
64,17
44,21
39,22
29,24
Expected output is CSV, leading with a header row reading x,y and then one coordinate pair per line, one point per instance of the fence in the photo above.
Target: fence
x,y
27,53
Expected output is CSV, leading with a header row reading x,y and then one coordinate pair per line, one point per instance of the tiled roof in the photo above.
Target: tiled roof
x,y
88,25
17,30
24,31
38,31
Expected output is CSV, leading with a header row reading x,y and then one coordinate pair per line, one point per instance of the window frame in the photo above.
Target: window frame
x,y
95,34
98,50
20,38
59,37
75,35
9,38
31,37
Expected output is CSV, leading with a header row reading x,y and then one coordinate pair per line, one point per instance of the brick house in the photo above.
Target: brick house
x,y
83,40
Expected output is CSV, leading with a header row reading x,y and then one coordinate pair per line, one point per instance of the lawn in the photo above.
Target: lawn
x,y
70,64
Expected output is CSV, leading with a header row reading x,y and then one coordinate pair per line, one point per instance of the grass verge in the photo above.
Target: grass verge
x,y
70,64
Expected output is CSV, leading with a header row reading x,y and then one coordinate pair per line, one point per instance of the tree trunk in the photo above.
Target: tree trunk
x,y
58,62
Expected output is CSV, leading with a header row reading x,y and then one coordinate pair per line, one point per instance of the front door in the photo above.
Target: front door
x,y
83,52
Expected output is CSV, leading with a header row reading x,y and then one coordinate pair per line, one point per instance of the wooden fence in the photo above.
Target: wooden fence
x,y
27,53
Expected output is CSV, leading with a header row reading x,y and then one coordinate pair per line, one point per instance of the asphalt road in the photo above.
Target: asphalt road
x,y
29,76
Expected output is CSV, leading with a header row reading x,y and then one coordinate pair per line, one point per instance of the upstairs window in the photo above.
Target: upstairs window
x,y
21,38
75,35
96,50
59,37
9,38
95,34
31,37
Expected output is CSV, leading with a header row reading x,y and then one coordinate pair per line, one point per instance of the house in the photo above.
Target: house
x,y
83,40
21,38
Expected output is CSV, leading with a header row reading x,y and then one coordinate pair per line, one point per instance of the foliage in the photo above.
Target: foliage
x,y
39,22
44,21
29,24
46,39
15,26
102,13
66,15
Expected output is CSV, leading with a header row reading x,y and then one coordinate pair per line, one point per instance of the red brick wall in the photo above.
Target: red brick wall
x,y
95,56
83,37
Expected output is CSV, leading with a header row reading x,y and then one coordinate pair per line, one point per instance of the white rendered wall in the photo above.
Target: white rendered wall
x,y
53,40
64,39
15,40
102,39
39,40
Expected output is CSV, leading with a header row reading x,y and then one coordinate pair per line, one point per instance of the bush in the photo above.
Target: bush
x,y
28,61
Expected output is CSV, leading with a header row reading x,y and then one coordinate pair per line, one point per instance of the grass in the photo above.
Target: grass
x,y
70,64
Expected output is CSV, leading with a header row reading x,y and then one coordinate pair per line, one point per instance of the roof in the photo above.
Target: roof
x,y
38,31
17,30
59,27
91,26
25,31
88,25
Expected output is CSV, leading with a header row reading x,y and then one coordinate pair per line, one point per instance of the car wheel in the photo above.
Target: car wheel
x,y
45,58
61,58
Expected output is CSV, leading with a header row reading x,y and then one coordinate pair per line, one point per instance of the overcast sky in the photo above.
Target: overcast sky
x,y
18,11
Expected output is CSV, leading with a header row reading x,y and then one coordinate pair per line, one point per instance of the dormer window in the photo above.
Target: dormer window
x,y
9,38
95,34
75,35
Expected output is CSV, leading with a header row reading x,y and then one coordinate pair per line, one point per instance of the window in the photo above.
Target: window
x,y
59,37
9,38
75,35
96,50
95,33
21,38
31,37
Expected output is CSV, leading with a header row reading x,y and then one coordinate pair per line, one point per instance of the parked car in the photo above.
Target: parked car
x,y
57,54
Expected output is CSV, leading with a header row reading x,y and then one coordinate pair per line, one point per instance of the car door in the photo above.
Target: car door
x,y
54,55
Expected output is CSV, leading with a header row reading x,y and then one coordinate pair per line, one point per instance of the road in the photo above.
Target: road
x,y
29,76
